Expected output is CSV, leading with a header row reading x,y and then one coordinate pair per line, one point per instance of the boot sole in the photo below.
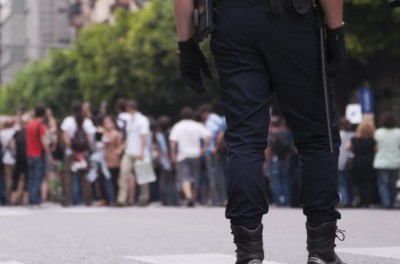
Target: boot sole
x,y
314,260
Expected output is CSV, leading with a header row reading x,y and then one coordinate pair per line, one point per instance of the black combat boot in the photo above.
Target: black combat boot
x,y
321,244
249,244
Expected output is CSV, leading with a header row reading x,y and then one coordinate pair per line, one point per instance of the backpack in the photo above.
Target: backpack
x,y
280,144
80,141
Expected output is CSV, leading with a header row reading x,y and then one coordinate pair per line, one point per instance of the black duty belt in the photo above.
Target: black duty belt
x,y
296,7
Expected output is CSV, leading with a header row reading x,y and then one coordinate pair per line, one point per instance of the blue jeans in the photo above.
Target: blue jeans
x,y
107,188
76,188
344,188
97,160
216,179
36,173
387,186
280,183
167,188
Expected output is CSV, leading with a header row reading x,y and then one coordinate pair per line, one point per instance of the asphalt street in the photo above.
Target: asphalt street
x,y
158,235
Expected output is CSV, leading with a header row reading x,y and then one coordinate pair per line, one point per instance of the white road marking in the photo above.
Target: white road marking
x,y
80,210
384,252
192,259
13,212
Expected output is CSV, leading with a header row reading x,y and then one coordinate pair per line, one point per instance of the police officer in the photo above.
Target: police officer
x,y
264,48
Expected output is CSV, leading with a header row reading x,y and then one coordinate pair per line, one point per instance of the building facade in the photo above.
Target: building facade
x,y
86,12
28,30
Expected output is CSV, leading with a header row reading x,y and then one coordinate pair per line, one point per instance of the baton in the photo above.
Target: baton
x,y
321,27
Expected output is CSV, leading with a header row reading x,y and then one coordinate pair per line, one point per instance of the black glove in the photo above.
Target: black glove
x,y
337,51
192,64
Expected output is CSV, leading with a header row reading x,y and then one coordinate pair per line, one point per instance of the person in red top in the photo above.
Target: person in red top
x,y
37,149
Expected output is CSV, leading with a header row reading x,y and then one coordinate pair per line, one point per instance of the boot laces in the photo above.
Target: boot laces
x,y
340,234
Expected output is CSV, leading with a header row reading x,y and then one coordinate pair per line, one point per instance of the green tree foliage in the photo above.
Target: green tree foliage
x,y
51,82
372,28
135,58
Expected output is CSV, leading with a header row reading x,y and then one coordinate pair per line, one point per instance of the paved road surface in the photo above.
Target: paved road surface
x,y
158,235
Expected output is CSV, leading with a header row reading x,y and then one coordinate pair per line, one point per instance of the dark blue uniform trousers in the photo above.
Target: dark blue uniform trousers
x,y
259,56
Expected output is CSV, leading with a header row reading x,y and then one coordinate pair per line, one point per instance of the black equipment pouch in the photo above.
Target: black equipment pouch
x,y
295,7
274,8
203,18
298,7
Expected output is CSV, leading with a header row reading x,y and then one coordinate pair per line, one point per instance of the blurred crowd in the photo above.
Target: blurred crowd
x,y
129,159
119,160
369,164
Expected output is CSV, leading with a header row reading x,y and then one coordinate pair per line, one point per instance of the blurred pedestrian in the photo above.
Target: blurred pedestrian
x,y
2,187
186,150
52,141
113,149
280,146
387,158
136,148
222,150
212,122
38,150
78,136
7,156
99,175
20,174
345,162
363,146
163,163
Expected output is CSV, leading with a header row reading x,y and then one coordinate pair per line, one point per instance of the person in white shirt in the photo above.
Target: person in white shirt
x,y
186,150
8,160
73,182
135,148
123,116
387,159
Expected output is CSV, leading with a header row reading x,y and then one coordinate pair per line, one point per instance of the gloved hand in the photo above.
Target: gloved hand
x,y
192,64
337,51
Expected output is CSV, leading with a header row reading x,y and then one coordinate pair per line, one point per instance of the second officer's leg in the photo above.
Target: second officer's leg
x,y
296,76
246,95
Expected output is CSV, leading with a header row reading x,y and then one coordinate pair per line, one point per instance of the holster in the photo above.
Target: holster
x,y
295,7
203,19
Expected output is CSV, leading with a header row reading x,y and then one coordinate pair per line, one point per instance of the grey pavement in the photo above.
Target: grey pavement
x,y
159,235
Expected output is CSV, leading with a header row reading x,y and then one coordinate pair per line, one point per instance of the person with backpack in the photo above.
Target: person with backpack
x,y
78,133
37,150
278,161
